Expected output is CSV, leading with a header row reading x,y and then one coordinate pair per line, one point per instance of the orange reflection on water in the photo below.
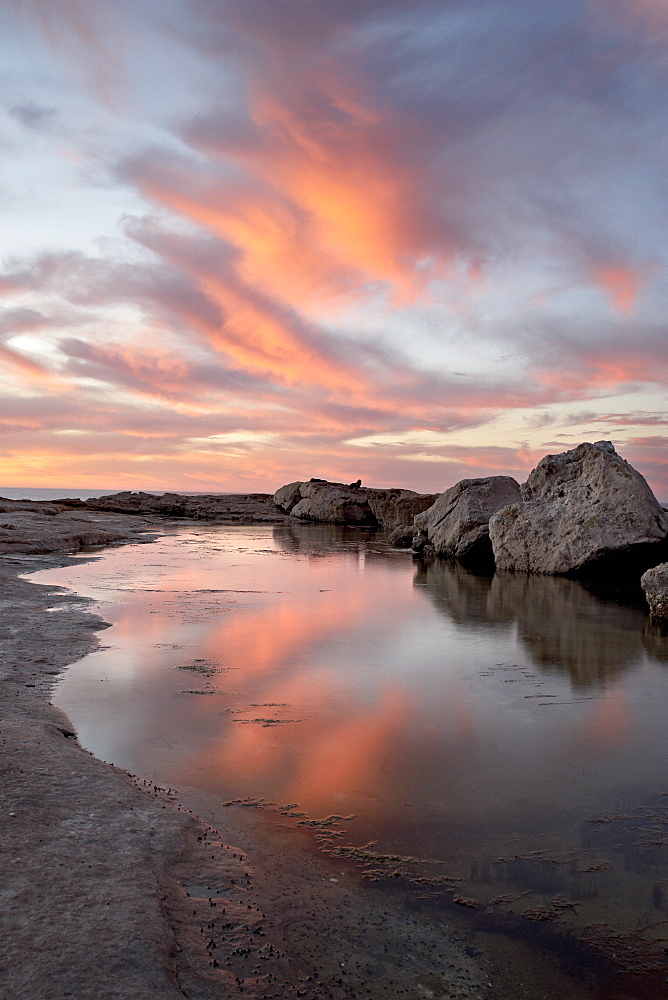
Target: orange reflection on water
x,y
351,754
264,639
608,723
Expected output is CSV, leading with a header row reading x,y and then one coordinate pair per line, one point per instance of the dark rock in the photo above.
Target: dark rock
x,y
402,536
457,525
333,503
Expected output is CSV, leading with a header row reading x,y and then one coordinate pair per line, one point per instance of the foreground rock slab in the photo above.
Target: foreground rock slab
x,y
655,586
35,528
457,525
581,511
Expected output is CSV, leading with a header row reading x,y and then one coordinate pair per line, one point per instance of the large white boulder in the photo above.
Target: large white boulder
x,y
580,511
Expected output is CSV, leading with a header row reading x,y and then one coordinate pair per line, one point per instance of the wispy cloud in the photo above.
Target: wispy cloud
x,y
422,229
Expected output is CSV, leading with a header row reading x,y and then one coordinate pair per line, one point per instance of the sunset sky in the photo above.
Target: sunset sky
x,y
245,242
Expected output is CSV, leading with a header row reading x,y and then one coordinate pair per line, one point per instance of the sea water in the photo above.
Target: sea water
x,y
502,740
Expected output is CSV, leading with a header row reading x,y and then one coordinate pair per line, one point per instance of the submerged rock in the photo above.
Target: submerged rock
x,y
581,511
456,526
655,586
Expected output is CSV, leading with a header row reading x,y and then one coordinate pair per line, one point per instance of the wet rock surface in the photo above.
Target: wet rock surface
x,y
655,586
457,525
582,511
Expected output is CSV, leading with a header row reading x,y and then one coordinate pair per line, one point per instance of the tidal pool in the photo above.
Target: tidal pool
x,y
495,746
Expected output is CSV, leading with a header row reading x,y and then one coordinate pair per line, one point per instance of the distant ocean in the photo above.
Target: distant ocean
x,y
73,493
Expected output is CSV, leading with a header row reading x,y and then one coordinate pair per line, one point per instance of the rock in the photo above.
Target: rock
x,y
402,536
335,503
396,507
580,512
37,528
655,585
288,496
457,525
224,508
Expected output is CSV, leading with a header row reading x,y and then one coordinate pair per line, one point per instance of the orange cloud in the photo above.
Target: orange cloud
x,y
589,371
621,284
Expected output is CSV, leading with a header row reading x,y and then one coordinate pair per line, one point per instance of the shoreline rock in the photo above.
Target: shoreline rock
x,y
654,583
228,508
582,511
457,525
335,503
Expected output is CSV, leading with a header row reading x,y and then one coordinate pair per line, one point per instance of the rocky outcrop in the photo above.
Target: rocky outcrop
x,y
655,585
457,525
288,496
580,512
395,508
38,528
229,508
332,503
336,503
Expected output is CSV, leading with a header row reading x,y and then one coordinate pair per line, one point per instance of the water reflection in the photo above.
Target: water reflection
x,y
460,595
564,626
655,640
323,538
462,718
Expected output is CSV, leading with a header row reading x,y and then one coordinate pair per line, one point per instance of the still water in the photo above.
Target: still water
x,y
499,744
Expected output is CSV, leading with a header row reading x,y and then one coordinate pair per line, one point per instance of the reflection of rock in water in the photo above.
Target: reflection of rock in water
x,y
459,594
655,639
567,628
318,537
320,541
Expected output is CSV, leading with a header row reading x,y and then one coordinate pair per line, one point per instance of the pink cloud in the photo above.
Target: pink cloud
x,y
621,284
